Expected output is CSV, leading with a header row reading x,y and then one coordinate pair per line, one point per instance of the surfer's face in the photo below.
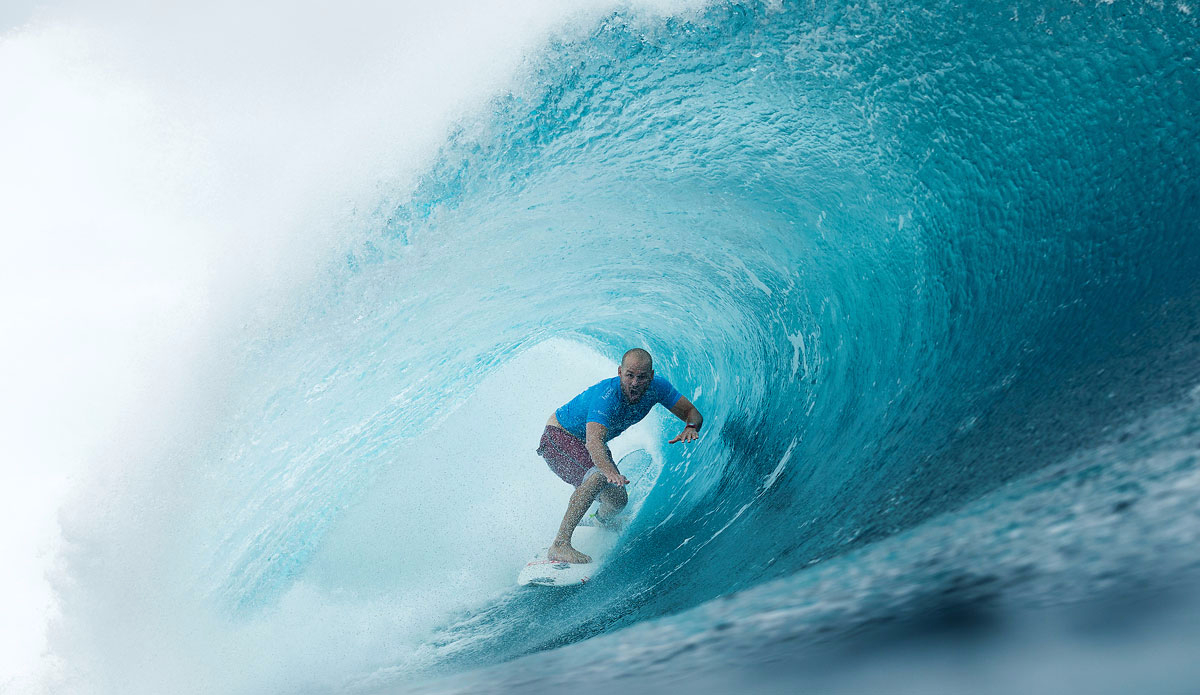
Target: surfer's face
x,y
635,379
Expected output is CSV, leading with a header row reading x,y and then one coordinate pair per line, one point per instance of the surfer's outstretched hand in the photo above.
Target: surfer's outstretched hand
x,y
617,479
689,434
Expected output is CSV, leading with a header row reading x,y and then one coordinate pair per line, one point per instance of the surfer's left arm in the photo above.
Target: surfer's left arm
x,y
684,410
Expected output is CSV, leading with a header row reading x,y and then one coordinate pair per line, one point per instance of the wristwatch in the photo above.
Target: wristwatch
x,y
695,427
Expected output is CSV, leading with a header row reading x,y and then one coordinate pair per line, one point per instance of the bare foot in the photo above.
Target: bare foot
x,y
563,552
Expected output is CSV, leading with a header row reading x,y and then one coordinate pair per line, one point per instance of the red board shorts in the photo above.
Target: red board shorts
x,y
566,455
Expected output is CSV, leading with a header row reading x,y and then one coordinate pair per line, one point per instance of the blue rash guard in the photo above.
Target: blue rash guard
x,y
605,403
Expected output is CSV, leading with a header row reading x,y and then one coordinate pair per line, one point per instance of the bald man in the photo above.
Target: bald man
x,y
575,442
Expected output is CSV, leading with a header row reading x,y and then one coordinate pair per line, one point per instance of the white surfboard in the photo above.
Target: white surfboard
x,y
595,541
590,537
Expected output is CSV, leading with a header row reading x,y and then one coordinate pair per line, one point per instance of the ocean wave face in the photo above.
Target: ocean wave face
x,y
919,264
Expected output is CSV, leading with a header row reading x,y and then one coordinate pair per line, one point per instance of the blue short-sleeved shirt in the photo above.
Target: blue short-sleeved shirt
x,y
605,403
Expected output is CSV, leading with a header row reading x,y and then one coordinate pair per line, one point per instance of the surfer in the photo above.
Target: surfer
x,y
575,442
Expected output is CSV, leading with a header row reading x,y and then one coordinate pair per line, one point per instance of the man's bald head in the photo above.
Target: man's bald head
x,y
639,357
636,372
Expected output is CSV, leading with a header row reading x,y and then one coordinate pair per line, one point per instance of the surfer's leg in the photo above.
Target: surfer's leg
x,y
581,499
613,499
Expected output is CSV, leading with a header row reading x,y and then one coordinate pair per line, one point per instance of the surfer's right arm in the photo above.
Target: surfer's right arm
x,y
597,446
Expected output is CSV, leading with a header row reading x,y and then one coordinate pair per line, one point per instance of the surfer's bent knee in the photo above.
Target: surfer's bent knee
x,y
615,495
594,473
